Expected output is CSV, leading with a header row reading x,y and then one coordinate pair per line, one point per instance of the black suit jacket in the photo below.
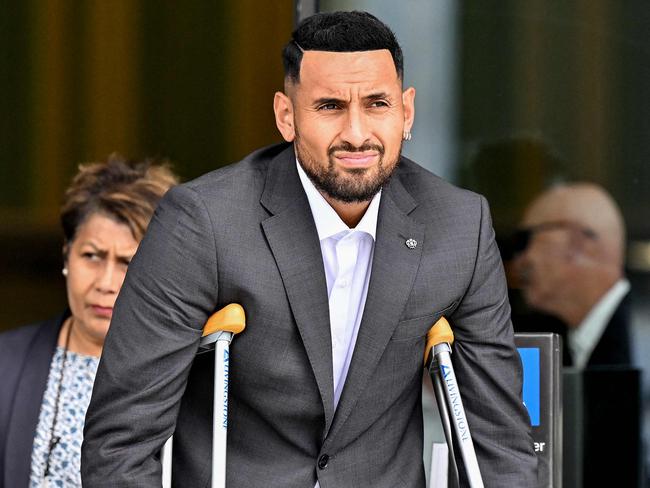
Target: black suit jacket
x,y
25,357
613,348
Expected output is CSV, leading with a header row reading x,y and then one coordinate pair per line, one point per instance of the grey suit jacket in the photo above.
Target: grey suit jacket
x,y
245,234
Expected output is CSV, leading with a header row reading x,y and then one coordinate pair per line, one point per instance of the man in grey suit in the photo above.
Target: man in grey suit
x,y
343,254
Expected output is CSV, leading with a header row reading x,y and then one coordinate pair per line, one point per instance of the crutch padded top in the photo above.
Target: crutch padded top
x,y
438,333
230,318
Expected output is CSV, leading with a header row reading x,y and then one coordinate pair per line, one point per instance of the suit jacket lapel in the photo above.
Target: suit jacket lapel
x,y
293,240
388,291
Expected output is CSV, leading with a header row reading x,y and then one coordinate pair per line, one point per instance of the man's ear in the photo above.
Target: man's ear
x,y
408,101
283,108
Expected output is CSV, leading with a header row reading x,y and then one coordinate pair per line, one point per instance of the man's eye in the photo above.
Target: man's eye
x,y
379,104
328,106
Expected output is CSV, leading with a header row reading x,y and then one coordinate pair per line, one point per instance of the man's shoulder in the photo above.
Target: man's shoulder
x,y
236,186
428,188
250,171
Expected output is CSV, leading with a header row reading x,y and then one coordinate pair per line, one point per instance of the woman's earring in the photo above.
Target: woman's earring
x,y
406,135
64,271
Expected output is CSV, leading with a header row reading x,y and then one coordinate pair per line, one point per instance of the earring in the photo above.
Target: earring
x,y
406,135
64,271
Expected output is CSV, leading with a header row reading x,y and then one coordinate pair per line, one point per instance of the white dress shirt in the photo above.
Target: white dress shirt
x,y
347,259
583,339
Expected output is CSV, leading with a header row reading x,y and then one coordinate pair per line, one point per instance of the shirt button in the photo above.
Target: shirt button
x,y
342,283
322,461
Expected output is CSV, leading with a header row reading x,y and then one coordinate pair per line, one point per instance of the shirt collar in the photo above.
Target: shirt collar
x,y
328,222
584,338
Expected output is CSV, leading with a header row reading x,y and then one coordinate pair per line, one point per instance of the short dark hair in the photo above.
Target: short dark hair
x,y
339,32
122,190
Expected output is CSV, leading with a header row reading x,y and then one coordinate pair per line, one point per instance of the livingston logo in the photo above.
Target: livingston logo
x,y
226,363
456,406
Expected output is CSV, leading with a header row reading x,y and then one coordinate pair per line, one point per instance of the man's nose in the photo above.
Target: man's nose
x,y
356,130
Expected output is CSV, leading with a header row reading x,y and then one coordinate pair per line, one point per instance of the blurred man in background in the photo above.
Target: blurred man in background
x,y
570,264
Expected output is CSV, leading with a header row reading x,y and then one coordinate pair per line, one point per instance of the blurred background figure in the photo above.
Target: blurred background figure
x,y
48,368
510,171
569,262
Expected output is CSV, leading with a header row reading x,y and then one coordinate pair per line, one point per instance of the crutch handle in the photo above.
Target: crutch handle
x,y
439,333
230,318
439,340
227,322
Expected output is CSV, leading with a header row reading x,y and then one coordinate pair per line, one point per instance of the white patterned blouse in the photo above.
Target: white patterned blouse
x,y
74,397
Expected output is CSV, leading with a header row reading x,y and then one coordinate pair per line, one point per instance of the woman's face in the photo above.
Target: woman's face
x,y
97,260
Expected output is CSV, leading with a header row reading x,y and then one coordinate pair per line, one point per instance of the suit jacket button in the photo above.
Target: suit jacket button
x,y
322,461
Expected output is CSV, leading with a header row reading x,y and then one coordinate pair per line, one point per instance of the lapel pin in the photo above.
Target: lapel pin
x,y
411,243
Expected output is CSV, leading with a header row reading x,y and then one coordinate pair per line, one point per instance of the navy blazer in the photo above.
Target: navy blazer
x,y
25,357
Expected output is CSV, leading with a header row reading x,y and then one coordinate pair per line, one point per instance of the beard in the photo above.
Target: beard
x,y
349,185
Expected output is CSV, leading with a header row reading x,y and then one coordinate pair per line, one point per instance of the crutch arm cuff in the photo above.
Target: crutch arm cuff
x,y
230,318
439,333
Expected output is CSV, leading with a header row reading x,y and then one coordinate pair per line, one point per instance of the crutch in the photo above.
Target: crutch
x,y
437,360
217,334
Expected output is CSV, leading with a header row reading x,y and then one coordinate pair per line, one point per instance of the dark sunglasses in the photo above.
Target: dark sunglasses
x,y
520,239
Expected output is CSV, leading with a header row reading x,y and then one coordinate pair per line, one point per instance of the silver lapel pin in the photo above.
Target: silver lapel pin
x,y
411,243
